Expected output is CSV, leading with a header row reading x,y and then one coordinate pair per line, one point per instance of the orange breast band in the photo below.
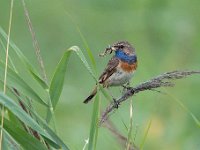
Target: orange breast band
x,y
128,67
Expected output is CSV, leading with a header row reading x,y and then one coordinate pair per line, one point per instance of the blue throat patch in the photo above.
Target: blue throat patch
x,y
124,57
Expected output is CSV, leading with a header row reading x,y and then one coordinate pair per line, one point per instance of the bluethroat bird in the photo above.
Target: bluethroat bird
x,y
120,68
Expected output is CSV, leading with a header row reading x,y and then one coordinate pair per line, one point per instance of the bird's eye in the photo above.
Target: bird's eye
x,y
121,46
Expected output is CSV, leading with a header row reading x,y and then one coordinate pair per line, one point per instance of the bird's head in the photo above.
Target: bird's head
x,y
124,46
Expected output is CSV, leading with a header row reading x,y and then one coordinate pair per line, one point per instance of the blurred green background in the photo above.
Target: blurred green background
x,y
166,37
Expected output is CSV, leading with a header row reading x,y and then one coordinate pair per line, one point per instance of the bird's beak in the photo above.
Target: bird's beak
x,y
109,50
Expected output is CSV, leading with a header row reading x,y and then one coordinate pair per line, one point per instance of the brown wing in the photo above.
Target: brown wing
x,y
110,69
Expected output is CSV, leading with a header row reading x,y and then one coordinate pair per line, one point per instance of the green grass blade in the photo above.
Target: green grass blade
x,y
9,143
49,131
54,136
22,137
145,135
39,80
14,80
105,93
46,128
196,120
57,81
94,125
9,58
24,60
84,61
23,116
89,52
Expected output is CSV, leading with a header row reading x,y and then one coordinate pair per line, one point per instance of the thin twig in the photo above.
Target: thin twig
x,y
128,142
35,42
5,75
163,80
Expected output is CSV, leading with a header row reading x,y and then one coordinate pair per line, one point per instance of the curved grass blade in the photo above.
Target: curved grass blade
x,y
94,124
24,60
22,137
56,85
89,52
46,128
54,136
9,143
79,53
23,116
57,81
14,80
39,80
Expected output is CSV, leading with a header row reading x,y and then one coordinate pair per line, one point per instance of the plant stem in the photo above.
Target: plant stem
x,y
5,75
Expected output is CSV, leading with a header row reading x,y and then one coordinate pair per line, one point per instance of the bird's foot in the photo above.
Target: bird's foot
x,y
126,87
116,103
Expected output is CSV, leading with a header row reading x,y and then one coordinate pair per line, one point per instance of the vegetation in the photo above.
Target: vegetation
x,y
49,63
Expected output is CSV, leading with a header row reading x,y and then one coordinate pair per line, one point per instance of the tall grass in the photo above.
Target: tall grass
x,y
5,74
22,127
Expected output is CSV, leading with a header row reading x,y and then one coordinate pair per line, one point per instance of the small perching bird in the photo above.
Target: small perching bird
x,y
120,68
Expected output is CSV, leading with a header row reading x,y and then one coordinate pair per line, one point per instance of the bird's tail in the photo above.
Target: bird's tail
x,y
89,98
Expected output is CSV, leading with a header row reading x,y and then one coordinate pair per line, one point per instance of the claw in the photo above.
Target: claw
x,y
116,103
126,87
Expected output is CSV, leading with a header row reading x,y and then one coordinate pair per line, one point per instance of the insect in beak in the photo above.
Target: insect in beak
x,y
109,50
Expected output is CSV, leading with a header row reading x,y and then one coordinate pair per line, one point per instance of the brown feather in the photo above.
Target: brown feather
x,y
110,69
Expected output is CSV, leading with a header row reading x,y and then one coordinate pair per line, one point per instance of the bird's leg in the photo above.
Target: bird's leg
x,y
116,104
126,86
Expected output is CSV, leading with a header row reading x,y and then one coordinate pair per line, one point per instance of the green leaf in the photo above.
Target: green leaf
x,y
57,82
24,60
49,131
59,75
94,124
22,137
84,61
14,80
56,85
105,93
39,80
9,143
89,52
23,116
46,128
